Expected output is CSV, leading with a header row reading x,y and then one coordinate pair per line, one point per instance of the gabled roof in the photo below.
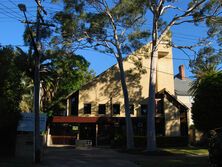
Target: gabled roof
x,y
111,68
160,52
173,99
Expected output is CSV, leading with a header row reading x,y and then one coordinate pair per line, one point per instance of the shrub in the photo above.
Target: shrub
x,y
10,96
215,147
206,109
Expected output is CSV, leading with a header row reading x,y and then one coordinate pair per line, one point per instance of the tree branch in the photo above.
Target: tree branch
x,y
176,18
190,47
170,7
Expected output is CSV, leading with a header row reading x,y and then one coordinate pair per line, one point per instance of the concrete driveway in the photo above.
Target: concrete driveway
x,y
93,157
101,157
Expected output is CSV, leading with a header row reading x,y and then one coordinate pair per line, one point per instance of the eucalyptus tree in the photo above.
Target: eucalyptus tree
x,y
110,27
160,27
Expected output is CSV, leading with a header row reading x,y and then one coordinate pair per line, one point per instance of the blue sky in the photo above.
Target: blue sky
x,y
11,32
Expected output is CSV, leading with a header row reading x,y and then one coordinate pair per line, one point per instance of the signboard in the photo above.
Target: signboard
x,y
27,122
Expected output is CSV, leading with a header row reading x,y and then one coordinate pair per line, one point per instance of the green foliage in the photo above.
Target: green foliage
x,y
61,72
206,109
207,61
207,85
69,26
45,32
10,88
93,28
66,72
215,147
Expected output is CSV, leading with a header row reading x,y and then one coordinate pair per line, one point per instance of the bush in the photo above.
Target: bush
x,y
10,96
206,109
215,147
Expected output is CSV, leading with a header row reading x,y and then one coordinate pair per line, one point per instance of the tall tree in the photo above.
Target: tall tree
x,y
159,9
110,27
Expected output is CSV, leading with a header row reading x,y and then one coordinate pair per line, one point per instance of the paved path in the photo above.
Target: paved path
x,y
95,157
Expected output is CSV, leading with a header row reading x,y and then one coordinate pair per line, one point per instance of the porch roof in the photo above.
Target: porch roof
x,y
77,119
74,119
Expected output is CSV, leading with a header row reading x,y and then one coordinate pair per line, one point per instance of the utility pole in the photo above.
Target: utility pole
x,y
37,53
37,143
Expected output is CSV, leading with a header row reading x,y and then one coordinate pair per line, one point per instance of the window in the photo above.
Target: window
x,y
159,106
160,126
87,108
102,109
116,109
131,109
143,109
74,106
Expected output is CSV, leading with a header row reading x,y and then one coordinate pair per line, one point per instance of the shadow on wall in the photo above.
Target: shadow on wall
x,y
107,88
112,88
172,119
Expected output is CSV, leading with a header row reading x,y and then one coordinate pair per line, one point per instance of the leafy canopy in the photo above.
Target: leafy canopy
x,y
206,109
10,88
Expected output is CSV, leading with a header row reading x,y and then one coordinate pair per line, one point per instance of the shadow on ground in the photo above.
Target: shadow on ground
x,y
102,157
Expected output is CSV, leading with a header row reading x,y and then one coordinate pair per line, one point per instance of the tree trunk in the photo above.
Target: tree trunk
x,y
151,130
129,126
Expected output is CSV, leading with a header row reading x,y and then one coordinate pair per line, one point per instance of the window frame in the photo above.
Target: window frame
x,y
132,109
113,106
85,107
99,109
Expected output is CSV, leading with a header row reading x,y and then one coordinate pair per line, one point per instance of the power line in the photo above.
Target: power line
x,y
13,45
112,56
13,3
10,10
12,17
16,5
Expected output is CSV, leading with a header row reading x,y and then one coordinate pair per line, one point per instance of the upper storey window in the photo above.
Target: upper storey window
x,y
116,109
87,108
102,109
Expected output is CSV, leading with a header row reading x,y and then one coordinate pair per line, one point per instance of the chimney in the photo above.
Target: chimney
x,y
181,72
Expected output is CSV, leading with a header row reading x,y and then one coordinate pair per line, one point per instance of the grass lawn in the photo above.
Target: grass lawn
x,y
177,157
187,150
170,161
